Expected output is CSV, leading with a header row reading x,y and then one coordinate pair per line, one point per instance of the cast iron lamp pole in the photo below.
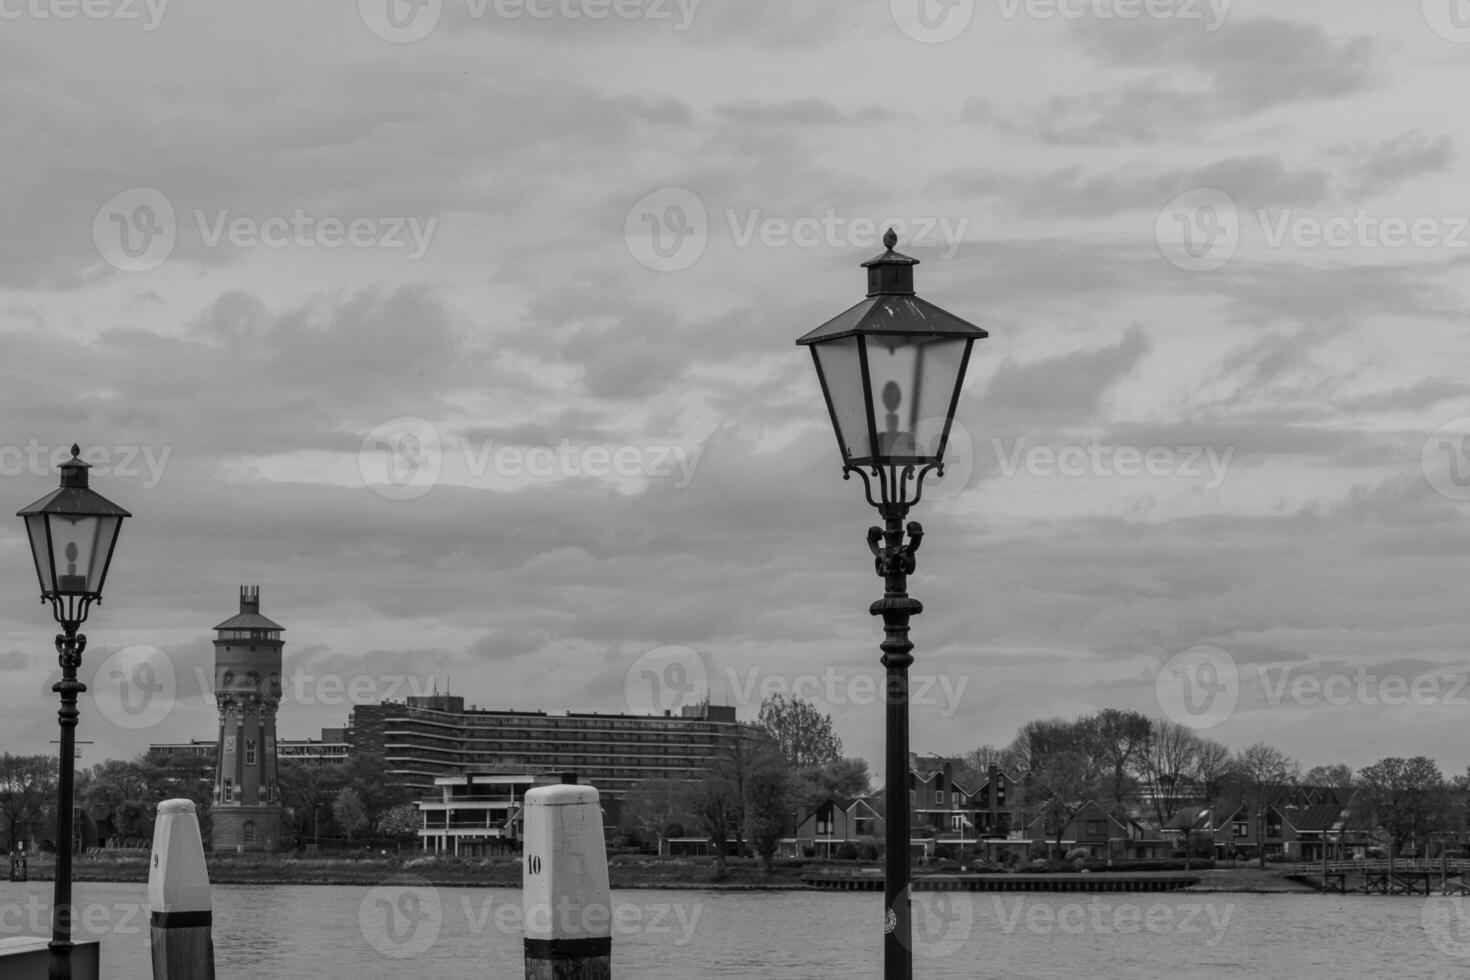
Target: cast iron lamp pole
x,y
72,531
896,357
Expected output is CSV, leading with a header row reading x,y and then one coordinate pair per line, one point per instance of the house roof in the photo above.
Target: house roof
x,y
1315,817
1201,817
1185,818
1091,810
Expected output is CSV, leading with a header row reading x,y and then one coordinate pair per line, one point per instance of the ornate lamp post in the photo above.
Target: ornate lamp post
x,y
73,530
891,369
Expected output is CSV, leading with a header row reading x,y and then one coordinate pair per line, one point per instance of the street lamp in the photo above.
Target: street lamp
x,y
891,369
73,530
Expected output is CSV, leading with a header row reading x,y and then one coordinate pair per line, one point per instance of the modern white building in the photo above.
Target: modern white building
x,y
476,814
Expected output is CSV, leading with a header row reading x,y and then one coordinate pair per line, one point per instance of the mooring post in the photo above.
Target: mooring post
x,y
178,896
566,901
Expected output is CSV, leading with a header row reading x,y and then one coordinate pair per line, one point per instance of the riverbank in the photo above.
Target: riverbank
x,y
624,872
229,869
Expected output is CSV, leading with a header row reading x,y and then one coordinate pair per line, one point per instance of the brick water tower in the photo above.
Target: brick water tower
x,y
247,687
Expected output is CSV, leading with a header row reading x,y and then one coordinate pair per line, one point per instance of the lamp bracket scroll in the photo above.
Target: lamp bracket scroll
x,y
895,483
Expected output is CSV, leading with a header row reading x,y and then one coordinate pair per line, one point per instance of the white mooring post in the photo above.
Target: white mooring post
x,y
566,902
178,896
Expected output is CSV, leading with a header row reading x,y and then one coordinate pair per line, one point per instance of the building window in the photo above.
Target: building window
x,y
1000,794
939,798
250,751
250,831
1095,828
1242,828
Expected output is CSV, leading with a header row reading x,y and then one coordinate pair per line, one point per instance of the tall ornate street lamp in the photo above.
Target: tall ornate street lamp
x,y
73,530
891,369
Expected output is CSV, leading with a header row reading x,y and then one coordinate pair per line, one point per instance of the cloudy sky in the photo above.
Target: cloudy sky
x,y
464,329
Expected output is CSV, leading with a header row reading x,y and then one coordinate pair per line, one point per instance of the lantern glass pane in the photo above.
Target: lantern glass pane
x,y
842,384
36,528
79,548
913,383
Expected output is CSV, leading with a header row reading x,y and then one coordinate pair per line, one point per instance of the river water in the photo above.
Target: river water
x,y
409,929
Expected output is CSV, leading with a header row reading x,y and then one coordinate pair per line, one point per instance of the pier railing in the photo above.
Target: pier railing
x,y
1457,866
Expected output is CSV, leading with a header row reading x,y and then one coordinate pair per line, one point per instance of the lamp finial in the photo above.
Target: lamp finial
x,y
890,239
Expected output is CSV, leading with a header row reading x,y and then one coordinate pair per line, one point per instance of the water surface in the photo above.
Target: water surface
x,y
407,929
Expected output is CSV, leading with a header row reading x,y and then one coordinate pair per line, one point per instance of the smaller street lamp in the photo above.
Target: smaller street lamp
x,y
891,368
73,530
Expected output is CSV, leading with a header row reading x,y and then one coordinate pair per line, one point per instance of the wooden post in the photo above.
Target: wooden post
x,y
1324,862
566,901
178,896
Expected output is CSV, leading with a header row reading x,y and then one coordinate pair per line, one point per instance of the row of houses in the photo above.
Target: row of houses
x,y
989,822
479,814
992,821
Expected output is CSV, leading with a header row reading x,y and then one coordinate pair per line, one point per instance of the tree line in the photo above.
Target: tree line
x,y
1138,768
337,802
789,758
1150,769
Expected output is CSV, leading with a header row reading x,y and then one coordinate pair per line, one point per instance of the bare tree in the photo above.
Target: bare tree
x,y
974,766
844,779
350,812
655,805
1167,761
1061,769
1402,800
1263,772
1120,740
715,800
804,735
767,794
1339,776
27,787
1211,768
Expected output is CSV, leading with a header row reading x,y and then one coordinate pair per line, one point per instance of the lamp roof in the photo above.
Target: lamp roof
x,y
74,497
891,307
894,315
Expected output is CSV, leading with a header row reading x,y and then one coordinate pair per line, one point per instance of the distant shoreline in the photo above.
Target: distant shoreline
x,y
506,873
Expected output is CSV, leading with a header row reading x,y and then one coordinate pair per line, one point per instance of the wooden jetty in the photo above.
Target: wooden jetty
x,y
1060,882
1390,877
